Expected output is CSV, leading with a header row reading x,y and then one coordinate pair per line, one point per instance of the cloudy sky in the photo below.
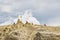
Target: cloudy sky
x,y
46,11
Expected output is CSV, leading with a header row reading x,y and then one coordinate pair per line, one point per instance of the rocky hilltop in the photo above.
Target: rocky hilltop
x,y
28,31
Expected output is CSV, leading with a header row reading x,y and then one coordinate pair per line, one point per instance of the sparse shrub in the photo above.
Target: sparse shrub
x,y
38,36
8,37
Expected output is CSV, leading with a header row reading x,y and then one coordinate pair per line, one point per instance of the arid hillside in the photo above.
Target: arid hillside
x,y
28,31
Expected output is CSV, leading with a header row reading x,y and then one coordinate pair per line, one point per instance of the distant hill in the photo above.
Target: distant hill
x,y
27,16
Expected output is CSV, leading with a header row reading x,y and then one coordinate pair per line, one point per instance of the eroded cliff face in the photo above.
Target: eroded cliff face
x,y
20,31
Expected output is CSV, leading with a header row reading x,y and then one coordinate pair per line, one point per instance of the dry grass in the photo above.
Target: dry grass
x,y
29,31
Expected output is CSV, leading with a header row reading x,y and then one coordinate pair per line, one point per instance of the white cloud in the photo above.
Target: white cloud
x,y
37,5
6,8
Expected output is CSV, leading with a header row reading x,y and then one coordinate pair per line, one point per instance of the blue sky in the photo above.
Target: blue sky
x,y
46,11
